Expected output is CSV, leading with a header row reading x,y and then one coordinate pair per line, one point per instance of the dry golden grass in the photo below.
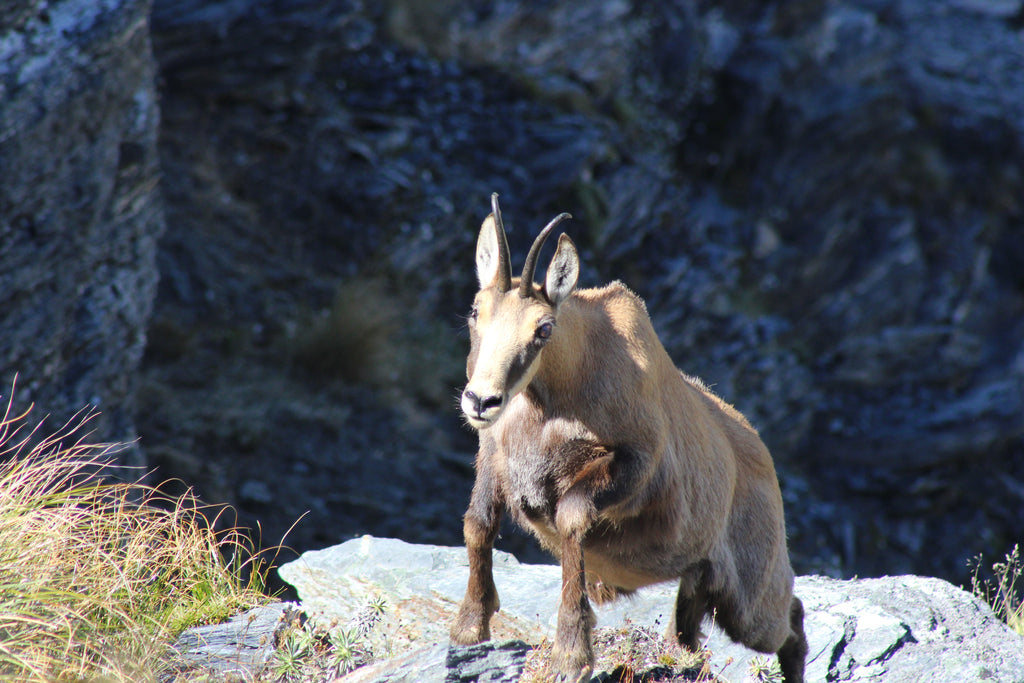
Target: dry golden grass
x,y
629,654
1006,591
96,575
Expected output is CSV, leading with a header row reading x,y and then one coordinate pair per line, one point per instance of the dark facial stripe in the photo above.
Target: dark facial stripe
x,y
521,363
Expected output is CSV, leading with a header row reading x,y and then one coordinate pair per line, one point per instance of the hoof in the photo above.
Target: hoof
x,y
572,667
472,624
468,637
582,676
469,629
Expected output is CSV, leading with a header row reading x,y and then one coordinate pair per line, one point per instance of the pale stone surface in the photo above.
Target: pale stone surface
x,y
891,629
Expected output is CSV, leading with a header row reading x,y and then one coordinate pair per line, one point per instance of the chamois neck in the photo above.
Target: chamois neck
x,y
568,361
603,356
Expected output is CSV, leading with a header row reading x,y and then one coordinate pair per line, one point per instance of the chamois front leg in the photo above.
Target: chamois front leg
x,y
480,527
573,656
608,478
575,512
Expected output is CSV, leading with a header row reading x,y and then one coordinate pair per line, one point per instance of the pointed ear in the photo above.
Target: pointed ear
x,y
488,253
563,271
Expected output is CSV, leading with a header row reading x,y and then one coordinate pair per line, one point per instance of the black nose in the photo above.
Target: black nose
x,y
482,404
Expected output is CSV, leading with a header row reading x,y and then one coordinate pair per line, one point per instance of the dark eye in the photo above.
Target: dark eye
x,y
474,313
544,331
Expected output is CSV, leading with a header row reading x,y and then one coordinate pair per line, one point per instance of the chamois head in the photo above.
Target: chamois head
x,y
511,322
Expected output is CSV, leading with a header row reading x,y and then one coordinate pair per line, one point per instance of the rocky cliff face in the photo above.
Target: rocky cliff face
x,y
79,206
820,202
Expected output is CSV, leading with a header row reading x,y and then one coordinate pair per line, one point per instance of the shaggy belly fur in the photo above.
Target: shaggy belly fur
x,y
609,570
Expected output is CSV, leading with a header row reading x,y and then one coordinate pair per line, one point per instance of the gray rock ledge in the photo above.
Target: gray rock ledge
x,y
902,629
237,649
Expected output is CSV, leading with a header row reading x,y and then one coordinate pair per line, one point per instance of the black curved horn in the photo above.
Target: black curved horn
x,y
526,283
504,262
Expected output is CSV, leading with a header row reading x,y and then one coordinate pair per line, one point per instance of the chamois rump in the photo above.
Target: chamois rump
x,y
629,471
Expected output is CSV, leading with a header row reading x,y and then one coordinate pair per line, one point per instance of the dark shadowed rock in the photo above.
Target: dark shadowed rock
x,y
493,661
819,201
79,207
902,629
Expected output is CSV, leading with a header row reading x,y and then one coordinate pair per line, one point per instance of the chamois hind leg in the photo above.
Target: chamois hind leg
x,y
764,633
691,607
768,628
793,653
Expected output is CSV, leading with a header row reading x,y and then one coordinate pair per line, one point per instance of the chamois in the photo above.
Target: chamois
x,y
629,471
